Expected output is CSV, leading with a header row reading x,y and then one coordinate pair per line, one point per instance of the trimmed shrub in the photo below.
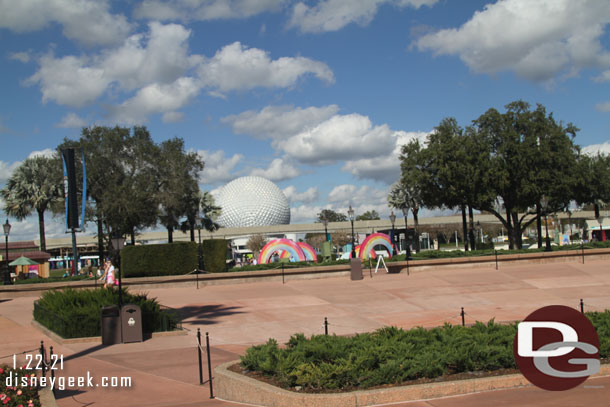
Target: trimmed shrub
x,y
159,259
391,355
77,313
215,255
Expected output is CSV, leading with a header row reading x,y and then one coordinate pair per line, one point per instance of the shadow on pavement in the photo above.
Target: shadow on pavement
x,y
85,352
205,315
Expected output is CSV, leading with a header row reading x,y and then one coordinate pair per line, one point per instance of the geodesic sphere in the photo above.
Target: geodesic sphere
x,y
252,201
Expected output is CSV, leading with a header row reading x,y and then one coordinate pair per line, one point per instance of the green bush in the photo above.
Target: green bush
x,y
159,259
77,313
17,395
214,255
391,355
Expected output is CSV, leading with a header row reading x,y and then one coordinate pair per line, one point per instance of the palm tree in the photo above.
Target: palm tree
x,y
34,186
200,204
404,198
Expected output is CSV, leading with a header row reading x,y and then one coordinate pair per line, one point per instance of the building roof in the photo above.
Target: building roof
x,y
35,255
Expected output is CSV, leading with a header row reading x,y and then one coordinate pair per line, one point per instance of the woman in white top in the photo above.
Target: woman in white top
x,y
108,276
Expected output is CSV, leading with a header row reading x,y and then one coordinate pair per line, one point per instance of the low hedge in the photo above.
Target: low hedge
x,y
214,255
159,259
391,355
77,313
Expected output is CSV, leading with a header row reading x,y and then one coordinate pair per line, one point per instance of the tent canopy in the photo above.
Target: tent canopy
x,y
22,261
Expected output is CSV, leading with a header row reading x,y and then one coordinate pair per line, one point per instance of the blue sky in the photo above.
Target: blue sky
x,y
317,96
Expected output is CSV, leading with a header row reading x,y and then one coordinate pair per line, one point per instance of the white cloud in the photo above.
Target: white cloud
x,y
342,137
348,194
68,81
218,168
383,168
278,170
332,15
279,121
205,10
156,98
23,56
72,120
304,213
309,196
594,149
173,117
603,77
86,21
603,107
236,67
6,170
536,39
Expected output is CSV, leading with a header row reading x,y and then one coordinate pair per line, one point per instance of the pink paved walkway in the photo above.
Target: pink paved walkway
x,y
164,370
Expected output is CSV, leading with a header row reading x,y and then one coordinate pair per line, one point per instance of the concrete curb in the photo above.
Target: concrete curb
x,y
231,386
47,399
94,339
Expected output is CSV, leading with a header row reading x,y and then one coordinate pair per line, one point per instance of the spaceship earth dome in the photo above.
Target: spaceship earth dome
x,y
252,201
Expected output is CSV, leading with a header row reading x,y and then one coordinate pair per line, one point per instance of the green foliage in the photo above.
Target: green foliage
x,y
368,215
215,255
77,313
159,259
391,355
17,395
331,216
272,266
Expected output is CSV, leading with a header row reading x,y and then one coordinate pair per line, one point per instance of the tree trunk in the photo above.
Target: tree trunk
x,y
509,230
464,228
416,224
133,237
100,240
471,232
517,231
170,234
192,229
539,225
43,243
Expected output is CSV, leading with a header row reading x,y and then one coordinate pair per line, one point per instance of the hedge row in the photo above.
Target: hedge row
x,y
391,355
77,313
214,255
159,259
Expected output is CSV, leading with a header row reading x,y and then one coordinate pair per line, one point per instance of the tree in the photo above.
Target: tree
x,y
369,215
315,240
177,188
331,216
255,244
35,185
201,205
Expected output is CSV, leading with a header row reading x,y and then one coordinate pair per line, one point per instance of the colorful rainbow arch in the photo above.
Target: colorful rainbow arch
x,y
309,251
281,244
368,245
357,249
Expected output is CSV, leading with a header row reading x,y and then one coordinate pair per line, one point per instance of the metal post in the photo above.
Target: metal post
x,y
325,326
582,249
207,346
200,257
51,368
582,306
496,253
463,319
7,271
370,268
199,353
283,282
42,352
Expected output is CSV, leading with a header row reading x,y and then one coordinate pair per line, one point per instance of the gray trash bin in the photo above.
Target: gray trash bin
x,y
355,269
111,325
131,321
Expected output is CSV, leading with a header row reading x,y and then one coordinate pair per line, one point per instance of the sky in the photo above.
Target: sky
x,y
317,96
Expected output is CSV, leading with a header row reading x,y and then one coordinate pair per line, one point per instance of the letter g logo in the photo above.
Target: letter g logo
x,y
552,346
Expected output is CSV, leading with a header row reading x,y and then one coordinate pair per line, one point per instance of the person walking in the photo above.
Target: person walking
x,y
108,276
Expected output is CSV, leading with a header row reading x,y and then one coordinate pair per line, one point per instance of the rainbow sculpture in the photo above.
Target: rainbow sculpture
x,y
285,255
277,245
373,255
376,239
310,253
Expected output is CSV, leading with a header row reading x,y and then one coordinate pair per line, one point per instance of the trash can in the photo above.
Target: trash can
x,y
131,322
111,325
355,269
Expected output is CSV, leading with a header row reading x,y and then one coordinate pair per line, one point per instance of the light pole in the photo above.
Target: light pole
x,y
545,203
350,213
7,272
325,222
405,212
393,220
200,252
118,242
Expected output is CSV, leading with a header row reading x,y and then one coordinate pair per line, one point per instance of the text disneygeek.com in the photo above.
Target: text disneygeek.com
x,y
66,382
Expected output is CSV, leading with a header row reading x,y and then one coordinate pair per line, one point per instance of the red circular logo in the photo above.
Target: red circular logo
x,y
556,348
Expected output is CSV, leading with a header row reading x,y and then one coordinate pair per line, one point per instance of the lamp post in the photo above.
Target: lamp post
x,y
405,212
545,203
325,222
118,242
199,252
7,272
350,213
393,220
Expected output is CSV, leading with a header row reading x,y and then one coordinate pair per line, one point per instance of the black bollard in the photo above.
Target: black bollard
x,y
199,353
325,326
207,346
463,319
496,253
582,250
283,282
582,306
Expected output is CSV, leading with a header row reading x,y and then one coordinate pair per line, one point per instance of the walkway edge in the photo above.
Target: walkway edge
x,y
231,386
